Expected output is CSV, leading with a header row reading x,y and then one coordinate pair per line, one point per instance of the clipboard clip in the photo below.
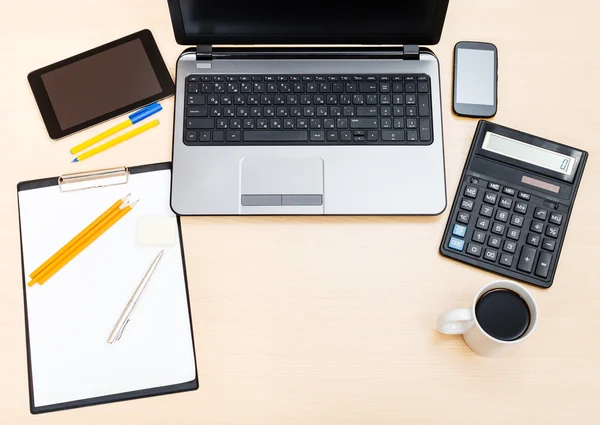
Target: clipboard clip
x,y
93,179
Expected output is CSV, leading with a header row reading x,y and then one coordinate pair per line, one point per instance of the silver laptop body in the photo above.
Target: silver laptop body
x,y
314,178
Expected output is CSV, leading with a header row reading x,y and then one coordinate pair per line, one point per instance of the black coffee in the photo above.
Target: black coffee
x,y
503,314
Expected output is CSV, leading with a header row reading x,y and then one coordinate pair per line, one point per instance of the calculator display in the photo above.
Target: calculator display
x,y
530,154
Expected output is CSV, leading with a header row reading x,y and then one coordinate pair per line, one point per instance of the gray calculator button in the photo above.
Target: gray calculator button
x,y
524,195
548,244
494,241
536,226
506,202
471,191
498,228
474,249
555,218
521,207
506,259
510,246
466,204
509,191
493,186
463,217
533,239
540,214
478,236
490,254
526,259
552,231
490,198
502,216
486,211
543,264
482,223
513,233
517,220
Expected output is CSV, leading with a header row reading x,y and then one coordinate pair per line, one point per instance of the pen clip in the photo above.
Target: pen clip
x,y
118,337
93,179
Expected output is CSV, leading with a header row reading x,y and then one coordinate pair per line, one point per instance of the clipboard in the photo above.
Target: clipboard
x,y
68,319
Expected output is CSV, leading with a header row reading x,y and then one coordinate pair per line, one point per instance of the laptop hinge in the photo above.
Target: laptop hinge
x,y
204,52
410,52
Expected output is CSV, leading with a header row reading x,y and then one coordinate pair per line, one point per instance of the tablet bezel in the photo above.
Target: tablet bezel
x,y
45,105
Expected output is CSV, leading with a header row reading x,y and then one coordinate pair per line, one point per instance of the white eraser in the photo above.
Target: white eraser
x,y
156,230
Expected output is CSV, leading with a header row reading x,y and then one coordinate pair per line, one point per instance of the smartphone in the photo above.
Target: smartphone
x,y
475,79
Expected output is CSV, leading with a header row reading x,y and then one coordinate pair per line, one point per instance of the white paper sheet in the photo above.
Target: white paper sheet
x,y
71,316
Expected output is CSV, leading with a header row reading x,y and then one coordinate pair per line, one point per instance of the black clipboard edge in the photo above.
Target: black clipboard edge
x,y
132,395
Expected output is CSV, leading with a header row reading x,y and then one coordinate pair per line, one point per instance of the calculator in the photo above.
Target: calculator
x,y
513,203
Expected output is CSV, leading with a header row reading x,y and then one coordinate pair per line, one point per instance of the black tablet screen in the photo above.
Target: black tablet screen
x,y
97,85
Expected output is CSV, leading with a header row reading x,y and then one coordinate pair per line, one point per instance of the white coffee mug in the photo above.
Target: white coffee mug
x,y
463,321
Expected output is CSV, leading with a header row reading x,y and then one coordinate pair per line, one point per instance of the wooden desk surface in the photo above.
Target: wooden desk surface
x,y
331,320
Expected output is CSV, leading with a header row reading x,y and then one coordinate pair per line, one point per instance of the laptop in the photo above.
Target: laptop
x,y
317,107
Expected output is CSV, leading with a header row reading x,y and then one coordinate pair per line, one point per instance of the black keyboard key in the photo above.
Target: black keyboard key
x,y
526,259
218,135
332,136
410,111
191,136
372,135
204,135
411,123
233,136
367,88
424,129
218,78
345,135
397,87
196,111
206,88
197,99
231,78
317,136
363,123
366,111
392,135
200,123
192,88
424,105
409,87
422,87
193,78
275,136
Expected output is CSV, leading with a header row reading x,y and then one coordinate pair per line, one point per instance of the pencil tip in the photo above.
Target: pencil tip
x,y
75,160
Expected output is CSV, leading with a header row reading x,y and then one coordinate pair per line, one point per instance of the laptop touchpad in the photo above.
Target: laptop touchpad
x,y
281,182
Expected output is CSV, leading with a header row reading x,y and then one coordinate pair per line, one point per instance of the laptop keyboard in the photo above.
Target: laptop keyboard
x,y
308,110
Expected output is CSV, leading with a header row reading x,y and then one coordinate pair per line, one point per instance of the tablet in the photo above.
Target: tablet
x,y
100,84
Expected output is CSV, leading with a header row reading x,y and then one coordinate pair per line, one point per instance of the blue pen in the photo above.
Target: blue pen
x,y
136,117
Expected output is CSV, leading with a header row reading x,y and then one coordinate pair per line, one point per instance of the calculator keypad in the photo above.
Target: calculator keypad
x,y
503,226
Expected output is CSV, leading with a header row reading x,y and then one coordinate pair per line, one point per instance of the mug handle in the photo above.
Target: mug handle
x,y
455,322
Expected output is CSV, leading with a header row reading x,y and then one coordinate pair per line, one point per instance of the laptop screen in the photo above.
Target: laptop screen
x,y
308,21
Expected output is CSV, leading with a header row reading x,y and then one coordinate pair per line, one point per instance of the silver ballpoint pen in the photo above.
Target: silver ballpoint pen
x,y
117,331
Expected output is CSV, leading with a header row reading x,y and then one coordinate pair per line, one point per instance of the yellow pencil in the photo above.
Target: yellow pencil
x,y
100,136
74,247
117,140
80,235
107,224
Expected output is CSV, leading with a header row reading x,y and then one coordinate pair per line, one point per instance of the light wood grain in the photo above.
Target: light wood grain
x,y
331,320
